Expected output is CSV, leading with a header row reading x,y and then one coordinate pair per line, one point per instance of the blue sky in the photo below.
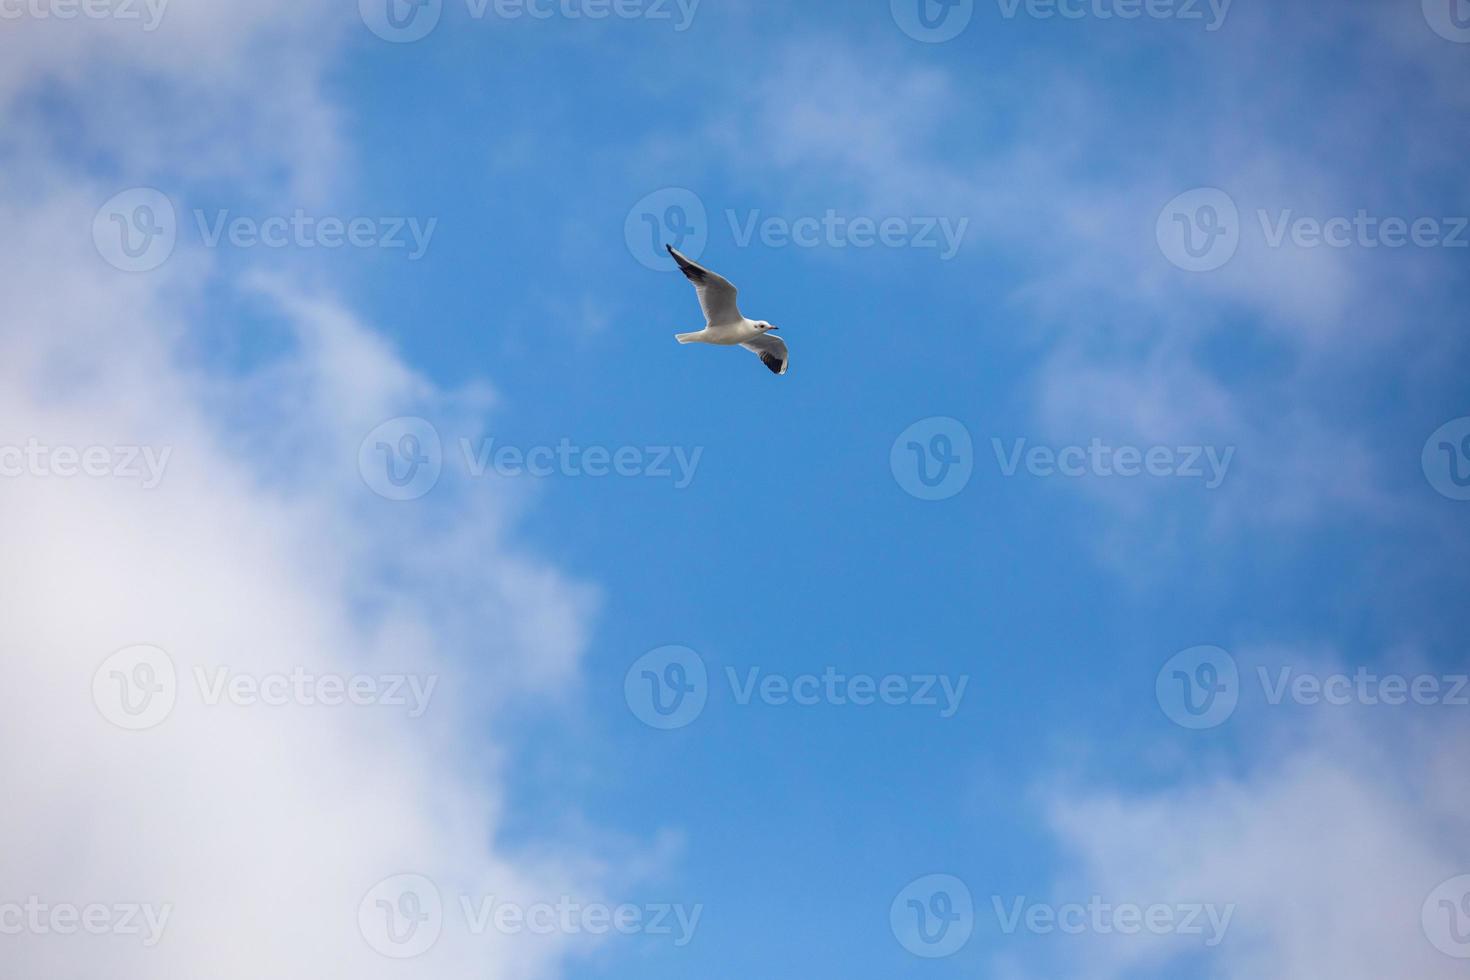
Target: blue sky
x,y
1294,394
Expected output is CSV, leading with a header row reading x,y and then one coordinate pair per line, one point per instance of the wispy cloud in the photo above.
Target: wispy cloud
x,y
1330,846
260,553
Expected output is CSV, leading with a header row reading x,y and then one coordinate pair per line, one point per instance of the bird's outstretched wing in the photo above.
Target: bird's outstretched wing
x,y
772,352
716,293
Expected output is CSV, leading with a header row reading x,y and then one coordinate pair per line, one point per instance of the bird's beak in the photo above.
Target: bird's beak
x,y
775,328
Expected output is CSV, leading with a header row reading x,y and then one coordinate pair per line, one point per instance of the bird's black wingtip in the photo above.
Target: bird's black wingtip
x,y
670,248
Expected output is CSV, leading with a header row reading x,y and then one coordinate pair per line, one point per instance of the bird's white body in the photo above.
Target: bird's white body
x,y
725,334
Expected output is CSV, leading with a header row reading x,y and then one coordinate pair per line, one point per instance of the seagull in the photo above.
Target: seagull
x,y
723,323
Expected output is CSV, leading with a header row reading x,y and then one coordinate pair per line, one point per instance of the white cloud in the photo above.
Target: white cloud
x,y
1328,848
261,549
219,91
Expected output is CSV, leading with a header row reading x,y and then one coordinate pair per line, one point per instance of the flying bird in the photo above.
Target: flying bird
x,y
724,324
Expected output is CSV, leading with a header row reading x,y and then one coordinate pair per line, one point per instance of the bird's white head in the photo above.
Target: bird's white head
x,y
763,326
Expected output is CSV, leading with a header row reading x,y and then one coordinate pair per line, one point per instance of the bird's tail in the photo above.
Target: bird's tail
x,y
687,338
